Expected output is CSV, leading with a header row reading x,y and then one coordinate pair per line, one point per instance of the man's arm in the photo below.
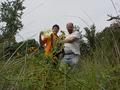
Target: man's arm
x,y
70,40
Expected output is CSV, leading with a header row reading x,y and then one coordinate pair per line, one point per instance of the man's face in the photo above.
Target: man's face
x,y
56,30
70,28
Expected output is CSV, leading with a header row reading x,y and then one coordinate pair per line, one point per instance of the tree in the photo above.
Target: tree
x,y
84,48
90,35
113,18
1,38
10,17
109,42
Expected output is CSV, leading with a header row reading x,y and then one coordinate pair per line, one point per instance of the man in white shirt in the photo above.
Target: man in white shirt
x,y
72,46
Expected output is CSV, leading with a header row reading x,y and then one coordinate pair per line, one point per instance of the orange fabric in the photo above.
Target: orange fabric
x,y
54,37
48,43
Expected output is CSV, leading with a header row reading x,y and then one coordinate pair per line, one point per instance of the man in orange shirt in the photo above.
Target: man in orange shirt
x,y
48,42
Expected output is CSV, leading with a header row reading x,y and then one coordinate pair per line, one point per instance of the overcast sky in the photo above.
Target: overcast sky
x,y
42,14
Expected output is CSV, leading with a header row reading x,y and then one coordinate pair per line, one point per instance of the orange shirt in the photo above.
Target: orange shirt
x,y
48,43
54,37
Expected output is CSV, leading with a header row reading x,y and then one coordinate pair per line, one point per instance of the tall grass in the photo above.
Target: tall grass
x,y
33,73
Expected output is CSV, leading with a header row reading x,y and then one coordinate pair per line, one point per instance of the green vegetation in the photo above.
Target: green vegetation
x,y
10,16
99,71
23,65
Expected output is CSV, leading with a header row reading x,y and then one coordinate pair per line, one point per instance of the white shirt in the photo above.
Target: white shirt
x,y
75,45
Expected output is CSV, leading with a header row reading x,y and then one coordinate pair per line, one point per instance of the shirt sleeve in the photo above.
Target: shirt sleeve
x,y
76,34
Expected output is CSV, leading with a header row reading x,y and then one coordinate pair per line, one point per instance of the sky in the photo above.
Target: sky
x,y
40,15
